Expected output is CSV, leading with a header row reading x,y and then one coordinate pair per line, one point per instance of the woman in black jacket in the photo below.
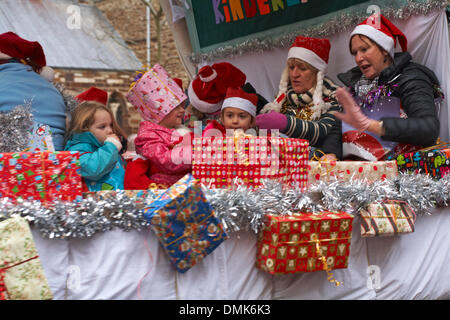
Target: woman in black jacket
x,y
395,108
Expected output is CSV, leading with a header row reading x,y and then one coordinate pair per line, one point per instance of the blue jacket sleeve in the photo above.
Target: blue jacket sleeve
x,y
95,164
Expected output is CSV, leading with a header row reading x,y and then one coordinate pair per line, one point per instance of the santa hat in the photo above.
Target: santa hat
x,y
31,52
93,94
179,82
207,91
362,145
383,32
314,51
238,98
16,47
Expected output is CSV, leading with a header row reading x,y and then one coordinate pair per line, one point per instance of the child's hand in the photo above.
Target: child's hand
x,y
114,139
329,157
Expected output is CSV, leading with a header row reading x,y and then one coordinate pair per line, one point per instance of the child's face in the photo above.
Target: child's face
x,y
174,119
102,126
234,118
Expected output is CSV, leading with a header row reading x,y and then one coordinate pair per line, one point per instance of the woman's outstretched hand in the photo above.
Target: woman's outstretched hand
x,y
352,112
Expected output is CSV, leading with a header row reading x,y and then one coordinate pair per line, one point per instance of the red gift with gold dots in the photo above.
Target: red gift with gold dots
x,y
304,242
221,162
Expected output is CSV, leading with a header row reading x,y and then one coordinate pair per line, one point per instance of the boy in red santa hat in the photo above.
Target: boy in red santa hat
x,y
238,113
208,90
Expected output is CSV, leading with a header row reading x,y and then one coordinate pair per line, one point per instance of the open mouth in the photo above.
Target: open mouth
x,y
365,67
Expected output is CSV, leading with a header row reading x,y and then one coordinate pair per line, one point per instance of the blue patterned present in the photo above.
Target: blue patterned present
x,y
185,223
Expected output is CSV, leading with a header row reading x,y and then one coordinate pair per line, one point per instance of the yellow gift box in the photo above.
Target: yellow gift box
x,y
21,274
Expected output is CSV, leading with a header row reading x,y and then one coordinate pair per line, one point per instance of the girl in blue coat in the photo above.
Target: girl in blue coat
x,y
94,132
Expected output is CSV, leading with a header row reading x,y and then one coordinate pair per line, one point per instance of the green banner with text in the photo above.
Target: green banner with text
x,y
213,22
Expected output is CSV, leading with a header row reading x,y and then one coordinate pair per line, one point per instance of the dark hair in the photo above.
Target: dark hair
x,y
364,39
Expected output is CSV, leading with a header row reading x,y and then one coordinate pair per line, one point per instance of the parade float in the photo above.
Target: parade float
x,y
302,230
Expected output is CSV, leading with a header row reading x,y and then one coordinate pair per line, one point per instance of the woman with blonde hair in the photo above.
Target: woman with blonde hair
x,y
305,105
94,132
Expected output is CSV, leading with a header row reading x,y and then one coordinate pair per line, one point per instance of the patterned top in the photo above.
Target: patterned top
x,y
324,133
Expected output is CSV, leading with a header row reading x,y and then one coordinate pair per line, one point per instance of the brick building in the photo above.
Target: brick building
x,y
81,45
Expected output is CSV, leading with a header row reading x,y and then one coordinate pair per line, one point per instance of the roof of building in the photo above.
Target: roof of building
x,y
72,34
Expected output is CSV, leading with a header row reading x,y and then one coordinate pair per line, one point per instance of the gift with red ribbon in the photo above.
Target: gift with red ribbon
x,y
21,274
42,176
221,162
305,242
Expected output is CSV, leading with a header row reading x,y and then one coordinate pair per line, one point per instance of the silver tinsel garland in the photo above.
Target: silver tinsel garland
x,y
69,100
337,24
15,126
240,208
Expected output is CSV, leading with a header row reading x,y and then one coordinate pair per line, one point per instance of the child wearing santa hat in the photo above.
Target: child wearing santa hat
x,y
25,77
208,90
162,143
238,112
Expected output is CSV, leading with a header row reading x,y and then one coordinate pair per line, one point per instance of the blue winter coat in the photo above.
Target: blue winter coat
x,y
20,84
101,165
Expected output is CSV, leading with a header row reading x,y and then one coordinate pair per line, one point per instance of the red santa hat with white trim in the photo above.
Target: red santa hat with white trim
x,y
28,52
207,91
93,94
314,51
379,29
238,98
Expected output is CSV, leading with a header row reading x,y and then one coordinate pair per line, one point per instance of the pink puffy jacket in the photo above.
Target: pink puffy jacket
x,y
169,152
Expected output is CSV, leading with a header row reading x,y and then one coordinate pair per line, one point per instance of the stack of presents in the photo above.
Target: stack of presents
x,y
186,223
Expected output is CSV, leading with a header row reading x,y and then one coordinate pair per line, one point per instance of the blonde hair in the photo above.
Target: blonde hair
x,y
317,95
297,61
83,116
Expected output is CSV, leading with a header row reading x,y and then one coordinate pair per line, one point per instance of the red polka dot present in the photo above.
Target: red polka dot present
x,y
370,171
220,162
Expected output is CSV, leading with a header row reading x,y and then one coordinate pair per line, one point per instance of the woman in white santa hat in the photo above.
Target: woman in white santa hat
x,y
394,108
306,103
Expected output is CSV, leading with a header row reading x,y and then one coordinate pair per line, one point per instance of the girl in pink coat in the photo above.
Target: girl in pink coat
x,y
159,99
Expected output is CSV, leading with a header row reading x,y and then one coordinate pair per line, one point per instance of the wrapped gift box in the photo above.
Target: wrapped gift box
x,y
185,223
371,171
21,274
433,161
43,176
155,94
290,244
139,197
40,139
222,161
386,219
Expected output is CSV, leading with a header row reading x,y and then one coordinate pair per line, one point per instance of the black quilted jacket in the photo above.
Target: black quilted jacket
x,y
416,92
